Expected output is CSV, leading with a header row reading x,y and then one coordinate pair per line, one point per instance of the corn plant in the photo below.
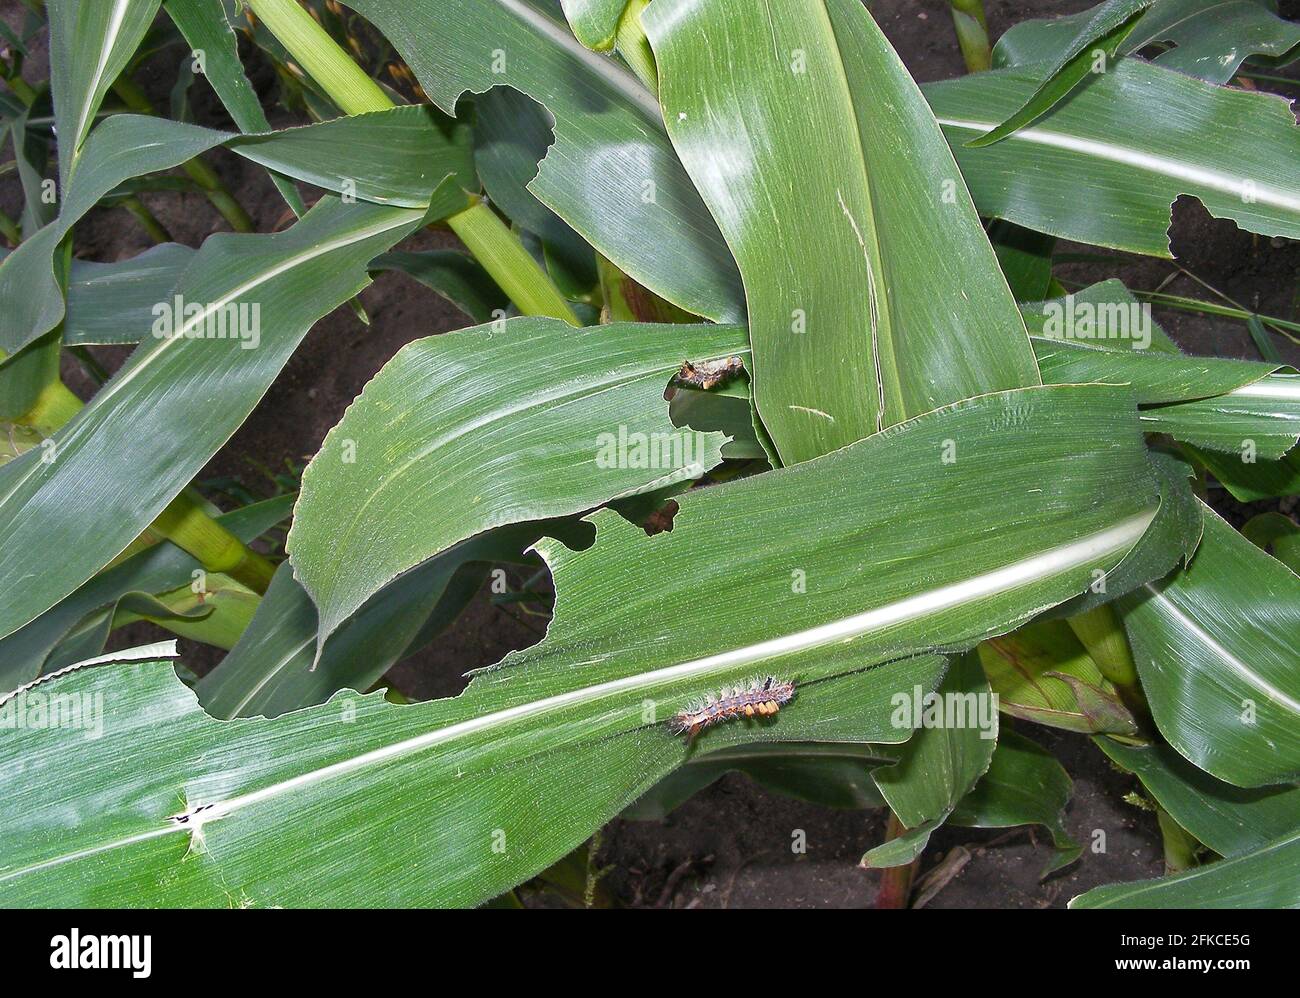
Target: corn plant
x,y
772,370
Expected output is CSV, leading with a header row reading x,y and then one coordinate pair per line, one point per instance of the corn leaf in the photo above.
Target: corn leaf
x,y
1216,647
468,796
861,333
1266,878
394,157
611,173
1230,820
1101,33
554,421
1104,166
90,45
148,417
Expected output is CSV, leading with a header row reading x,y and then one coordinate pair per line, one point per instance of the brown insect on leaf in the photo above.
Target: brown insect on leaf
x,y
709,373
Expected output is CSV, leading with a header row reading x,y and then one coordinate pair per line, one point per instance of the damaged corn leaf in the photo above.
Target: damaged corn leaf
x,y
611,173
521,419
1100,34
864,331
274,668
1105,166
1211,38
473,794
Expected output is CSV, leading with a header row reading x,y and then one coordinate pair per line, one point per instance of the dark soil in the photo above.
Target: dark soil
x,y
731,844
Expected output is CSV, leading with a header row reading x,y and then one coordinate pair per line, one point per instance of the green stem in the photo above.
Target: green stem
x,y
54,406
627,301
972,33
321,57
493,244
1179,845
9,229
1101,632
186,525
634,47
511,266
183,522
197,170
156,230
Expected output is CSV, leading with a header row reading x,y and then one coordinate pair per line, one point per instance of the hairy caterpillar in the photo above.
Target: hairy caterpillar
x,y
761,698
708,373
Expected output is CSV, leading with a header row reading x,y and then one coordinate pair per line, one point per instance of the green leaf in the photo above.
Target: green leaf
x,y
90,45
1102,33
1025,258
471,795
594,22
1212,38
1216,647
206,28
852,324
31,157
611,174
1249,481
1102,298
392,157
941,763
556,421
1266,878
825,774
1228,819
1024,785
1259,422
147,416
1278,535
1105,166
454,274
1235,406
217,616
35,647
274,669
511,135
114,302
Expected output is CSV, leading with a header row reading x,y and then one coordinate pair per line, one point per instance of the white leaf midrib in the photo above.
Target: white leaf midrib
x,y
1038,567
1221,653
